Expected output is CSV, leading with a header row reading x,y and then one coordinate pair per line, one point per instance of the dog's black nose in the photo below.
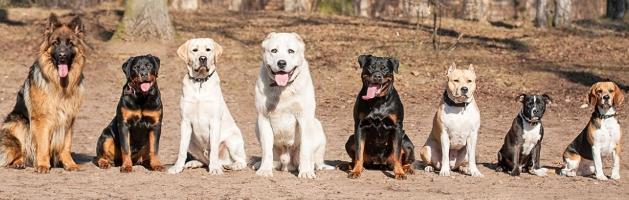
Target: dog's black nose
x,y
281,64
377,77
606,97
464,90
203,59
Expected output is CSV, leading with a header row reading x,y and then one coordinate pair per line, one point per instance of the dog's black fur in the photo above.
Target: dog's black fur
x,y
138,119
510,157
378,122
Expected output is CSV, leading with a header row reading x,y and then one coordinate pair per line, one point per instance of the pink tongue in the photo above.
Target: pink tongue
x,y
145,87
371,92
281,79
63,70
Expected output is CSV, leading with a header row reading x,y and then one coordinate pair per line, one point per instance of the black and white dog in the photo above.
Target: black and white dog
x,y
523,142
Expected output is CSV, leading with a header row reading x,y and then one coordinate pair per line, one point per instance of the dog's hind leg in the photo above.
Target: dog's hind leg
x,y
236,147
10,151
106,150
320,150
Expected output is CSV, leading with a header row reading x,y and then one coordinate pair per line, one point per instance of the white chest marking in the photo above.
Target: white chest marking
x,y
531,135
607,136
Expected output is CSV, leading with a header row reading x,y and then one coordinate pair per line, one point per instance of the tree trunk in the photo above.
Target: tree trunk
x,y
146,20
235,5
298,5
475,10
185,5
616,8
540,13
364,8
563,13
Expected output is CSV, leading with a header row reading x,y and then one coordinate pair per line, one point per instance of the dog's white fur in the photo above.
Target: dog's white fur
x,y
206,122
289,134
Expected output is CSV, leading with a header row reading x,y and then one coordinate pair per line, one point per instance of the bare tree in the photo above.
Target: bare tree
x,y
298,5
236,5
540,13
616,8
185,5
475,10
145,19
563,12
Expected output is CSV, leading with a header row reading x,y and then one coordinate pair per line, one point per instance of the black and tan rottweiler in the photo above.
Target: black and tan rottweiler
x,y
38,131
379,137
133,135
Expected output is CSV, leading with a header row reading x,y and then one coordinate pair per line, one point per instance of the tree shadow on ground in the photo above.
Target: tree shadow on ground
x,y
5,20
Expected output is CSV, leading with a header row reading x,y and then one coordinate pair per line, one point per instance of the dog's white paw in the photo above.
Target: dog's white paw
x,y
320,167
215,170
601,177
615,176
175,170
237,166
444,172
307,174
429,169
475,172
264,173
540,172
567,172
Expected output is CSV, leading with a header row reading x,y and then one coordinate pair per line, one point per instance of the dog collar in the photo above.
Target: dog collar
x,y
201,80
526,119
451,102
598,115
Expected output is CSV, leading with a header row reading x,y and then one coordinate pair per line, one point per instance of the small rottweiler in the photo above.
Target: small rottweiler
x,y
133,135
379,137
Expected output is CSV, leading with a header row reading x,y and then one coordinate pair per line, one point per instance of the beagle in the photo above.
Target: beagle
x,y
600,138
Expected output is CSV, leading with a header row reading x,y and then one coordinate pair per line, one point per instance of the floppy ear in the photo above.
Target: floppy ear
x,y
126,66
156,61
53,22
182,51
451,68
520,98
363,60
218,51
619,97
265,41
302,44
77,26
547,99
592,99
394,64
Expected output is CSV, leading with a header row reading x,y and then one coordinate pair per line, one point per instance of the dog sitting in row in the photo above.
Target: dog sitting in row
x,y
290,135
133,135
379,137
523,143
207,126
452,141
600,138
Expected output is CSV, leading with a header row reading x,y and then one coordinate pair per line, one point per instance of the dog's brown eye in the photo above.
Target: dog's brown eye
x,y
273,50
208,49
456,80
195,50
611,91
599,91
469,81
291,51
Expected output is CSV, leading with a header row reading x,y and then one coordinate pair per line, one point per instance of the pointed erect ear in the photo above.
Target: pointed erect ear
x,y
451,68
156,62
266,40
53,22
77,26
592,98
394,64
547,99
520,98
126,66
471,67
619,97
364,60
182,51
218,51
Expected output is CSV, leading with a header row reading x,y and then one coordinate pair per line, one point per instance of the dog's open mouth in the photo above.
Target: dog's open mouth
x,y
146,86
62,69
282,78
374,89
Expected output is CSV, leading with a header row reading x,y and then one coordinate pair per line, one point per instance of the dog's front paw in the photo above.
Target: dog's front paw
x,y
175,170
601,177
475,173
126,169
429,169
42,169
215,170
18,164
354,174
400,176
615,176
307,174
567,172
71,167
237,166
444,172
264,173
539,172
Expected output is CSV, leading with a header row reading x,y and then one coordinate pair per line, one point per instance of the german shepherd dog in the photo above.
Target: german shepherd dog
x,y
133,134
40,126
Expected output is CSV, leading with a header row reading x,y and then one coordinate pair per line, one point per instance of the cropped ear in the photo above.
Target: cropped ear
x,y
592,99
394,64
364,60
547,99
218,51
182,51
77,26
126,66
520,98
619,97
156,61
451,68
266,40
53,22
471,67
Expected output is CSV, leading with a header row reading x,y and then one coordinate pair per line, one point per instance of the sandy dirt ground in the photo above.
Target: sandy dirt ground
x,y
562,63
